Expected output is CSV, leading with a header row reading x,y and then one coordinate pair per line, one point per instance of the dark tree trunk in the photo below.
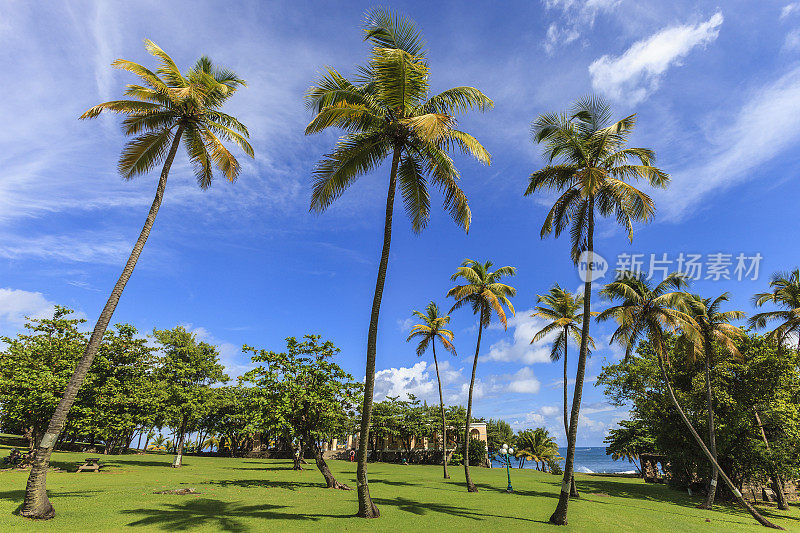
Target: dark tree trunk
x,y
37,505
470,485
330,480
712,437
559,516
298,456
573,490
444,422
366,507
750,509
777,482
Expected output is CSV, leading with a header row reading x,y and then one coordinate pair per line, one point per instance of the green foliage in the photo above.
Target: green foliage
x,y
499,432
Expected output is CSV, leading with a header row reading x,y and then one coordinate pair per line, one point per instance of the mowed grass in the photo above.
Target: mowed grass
x,y
266,495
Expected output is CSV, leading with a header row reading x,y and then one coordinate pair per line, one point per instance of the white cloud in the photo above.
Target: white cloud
x,y
788,9
82,247
418,380
791,43
524,381
631,76
16,304
521,349
405,325
550,410
735,149
576,15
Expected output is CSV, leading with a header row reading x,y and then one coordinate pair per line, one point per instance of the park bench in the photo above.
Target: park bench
x,y
91,465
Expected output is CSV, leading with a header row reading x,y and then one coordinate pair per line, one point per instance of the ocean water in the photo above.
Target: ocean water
x,y
589,460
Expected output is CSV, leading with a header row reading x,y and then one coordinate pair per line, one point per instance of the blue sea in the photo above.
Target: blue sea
x,y
591,460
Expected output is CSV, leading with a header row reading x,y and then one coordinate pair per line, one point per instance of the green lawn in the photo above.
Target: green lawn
x,y
258,495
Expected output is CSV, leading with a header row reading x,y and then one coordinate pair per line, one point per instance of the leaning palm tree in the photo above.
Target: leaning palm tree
x,y
431,328
563,310
388,112
590,165
785,293
168,108
484,293
715,329
650,312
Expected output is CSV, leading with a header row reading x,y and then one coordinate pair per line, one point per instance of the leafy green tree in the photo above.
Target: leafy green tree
x,y
590,165
715,330
388,112
168,108
645,311
785,293
499,432
36,366
310,395
431,328
628,441
563,311
486,296
187,370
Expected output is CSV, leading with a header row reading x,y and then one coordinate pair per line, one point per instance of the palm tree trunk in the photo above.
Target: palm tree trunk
x,y
777,482
444,422
37,505
470,485
750,509
559,516
712,438
573,490
366,507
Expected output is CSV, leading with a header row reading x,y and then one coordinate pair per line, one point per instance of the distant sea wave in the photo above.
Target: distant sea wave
x,y
588,460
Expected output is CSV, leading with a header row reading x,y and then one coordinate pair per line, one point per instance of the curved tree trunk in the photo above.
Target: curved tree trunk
x,y
559,516
366,507
750,509
573,490
712,438
777,482
330,480
37,505
444,422
470,485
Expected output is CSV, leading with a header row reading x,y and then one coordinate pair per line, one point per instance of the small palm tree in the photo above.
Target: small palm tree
x,y
537,445
785,294
389,113
431,328
169,108
590,165
647,311
484,293
715,330
564,311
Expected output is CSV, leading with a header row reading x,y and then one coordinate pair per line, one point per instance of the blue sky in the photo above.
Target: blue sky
x,y
716,88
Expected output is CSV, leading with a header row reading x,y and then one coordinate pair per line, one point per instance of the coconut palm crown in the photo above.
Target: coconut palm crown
x,y
482,290
432,328
170,103
785,293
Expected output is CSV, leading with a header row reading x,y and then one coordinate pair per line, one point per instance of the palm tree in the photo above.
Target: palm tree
x,y
590,165
168,108
537,445
645,311
483,292
562,309
786,294
430,329
715,329
389,112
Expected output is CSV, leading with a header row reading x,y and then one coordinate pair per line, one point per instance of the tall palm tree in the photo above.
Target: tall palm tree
x,y
785,293
715,329
167,108
388,112
564,311
647,311
590,165
484,293
431,328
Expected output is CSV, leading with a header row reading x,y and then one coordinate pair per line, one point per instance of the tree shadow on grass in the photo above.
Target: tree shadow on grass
x,y
222,516
423,508
537,493
19,496
265,484
135,462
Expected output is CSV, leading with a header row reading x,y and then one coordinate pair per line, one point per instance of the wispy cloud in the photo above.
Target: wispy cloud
x,y
632,76
16,304
520,349
576,16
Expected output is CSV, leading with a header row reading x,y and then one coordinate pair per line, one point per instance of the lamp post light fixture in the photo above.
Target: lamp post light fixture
x,y
505,458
